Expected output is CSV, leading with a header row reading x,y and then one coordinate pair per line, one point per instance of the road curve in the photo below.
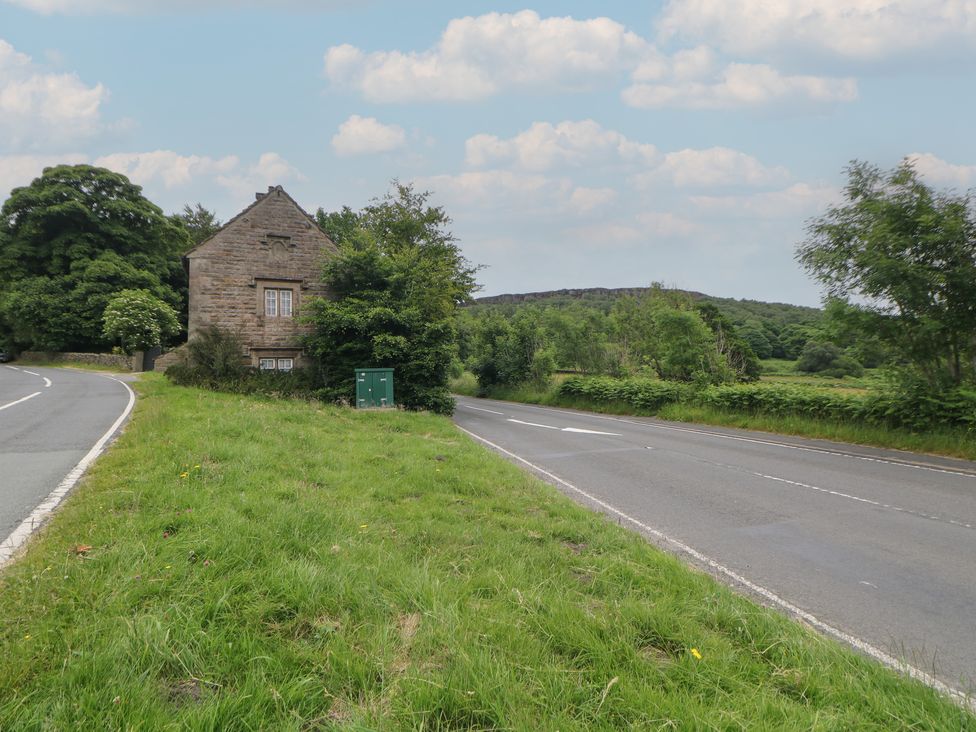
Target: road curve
x,y
876,546
50,420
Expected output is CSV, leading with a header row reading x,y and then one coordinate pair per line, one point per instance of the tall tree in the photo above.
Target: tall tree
x,y
904,255
199,222
72,239
394,290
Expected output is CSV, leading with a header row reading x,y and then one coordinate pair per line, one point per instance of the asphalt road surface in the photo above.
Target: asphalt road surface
x,y
879,545
49,420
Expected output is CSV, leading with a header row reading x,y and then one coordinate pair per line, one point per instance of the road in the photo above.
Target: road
x,y
50,421
875,547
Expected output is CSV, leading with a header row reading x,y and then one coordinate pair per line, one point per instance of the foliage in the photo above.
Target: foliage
x,y
904,256
200,223
512,351
394,290
826,358
139,321
70,241
908,403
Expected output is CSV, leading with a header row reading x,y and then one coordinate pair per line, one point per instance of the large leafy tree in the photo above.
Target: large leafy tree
x,y
200,223
69,242
904,256
394,290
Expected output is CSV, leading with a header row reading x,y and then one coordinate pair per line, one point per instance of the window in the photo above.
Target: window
x,y
277,303
276,364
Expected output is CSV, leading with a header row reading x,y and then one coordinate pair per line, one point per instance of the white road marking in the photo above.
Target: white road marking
x,y
12,368
47,382
479,409
869,584
861,645
40,514
533,424
32,373
771,443
590,432
24,399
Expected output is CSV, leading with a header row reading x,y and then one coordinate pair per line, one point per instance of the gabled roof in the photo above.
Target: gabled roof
x,y
258,199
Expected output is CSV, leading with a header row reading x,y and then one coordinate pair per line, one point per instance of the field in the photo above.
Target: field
x,y
247,563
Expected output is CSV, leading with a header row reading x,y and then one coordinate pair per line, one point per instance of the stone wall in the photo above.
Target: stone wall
x,y
273,244
109,360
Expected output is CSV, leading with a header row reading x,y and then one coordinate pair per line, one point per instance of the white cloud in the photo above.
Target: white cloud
x,y
939,172
714,166
270,169
663,224
799,200
171,168
737,85
545,146
367,135
856,29
585,200
44,109
477,57
20,170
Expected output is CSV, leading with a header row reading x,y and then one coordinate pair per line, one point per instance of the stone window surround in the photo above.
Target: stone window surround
x,y
256,353
268,283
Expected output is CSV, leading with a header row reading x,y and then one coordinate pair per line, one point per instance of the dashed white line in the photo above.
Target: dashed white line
x,y
12,368
480,409
770,443
590,432
19,401
533,424
861,645
32,373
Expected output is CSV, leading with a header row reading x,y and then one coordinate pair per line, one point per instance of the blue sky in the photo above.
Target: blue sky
x,y
575,144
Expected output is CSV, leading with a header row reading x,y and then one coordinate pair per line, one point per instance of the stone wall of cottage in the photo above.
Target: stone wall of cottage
x,y
272,244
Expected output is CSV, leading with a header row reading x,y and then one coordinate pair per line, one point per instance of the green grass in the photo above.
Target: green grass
x,y
260,564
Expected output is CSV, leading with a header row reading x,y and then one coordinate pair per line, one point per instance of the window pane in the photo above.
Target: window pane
x,y
267,364
271,302
285,364
285,297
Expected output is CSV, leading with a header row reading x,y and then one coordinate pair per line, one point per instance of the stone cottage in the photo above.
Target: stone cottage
x,y
253,276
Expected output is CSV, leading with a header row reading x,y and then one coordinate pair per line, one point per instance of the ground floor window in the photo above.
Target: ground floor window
x,y
276,364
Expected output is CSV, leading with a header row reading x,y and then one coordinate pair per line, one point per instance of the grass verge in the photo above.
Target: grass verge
x,y
245,563
71,365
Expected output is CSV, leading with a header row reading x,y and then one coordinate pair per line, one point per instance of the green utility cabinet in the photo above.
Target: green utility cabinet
x,y
374,388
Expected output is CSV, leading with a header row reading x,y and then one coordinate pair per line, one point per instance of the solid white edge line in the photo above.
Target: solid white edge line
x,y
11,404
39,515
793,610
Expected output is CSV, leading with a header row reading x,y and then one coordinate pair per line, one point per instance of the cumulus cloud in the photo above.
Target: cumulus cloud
x,y
367,135
167,166
939,172
797,201
586,145
855,29
545,146
736,85
711,167
477,57
20,170
664,224
44,109
270,169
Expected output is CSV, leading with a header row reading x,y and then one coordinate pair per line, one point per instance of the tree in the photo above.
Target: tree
x,y
139,321
903,255
69,242
394,290
512,351
199,222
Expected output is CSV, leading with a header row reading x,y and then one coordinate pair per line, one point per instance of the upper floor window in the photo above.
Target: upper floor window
x,y
277,302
